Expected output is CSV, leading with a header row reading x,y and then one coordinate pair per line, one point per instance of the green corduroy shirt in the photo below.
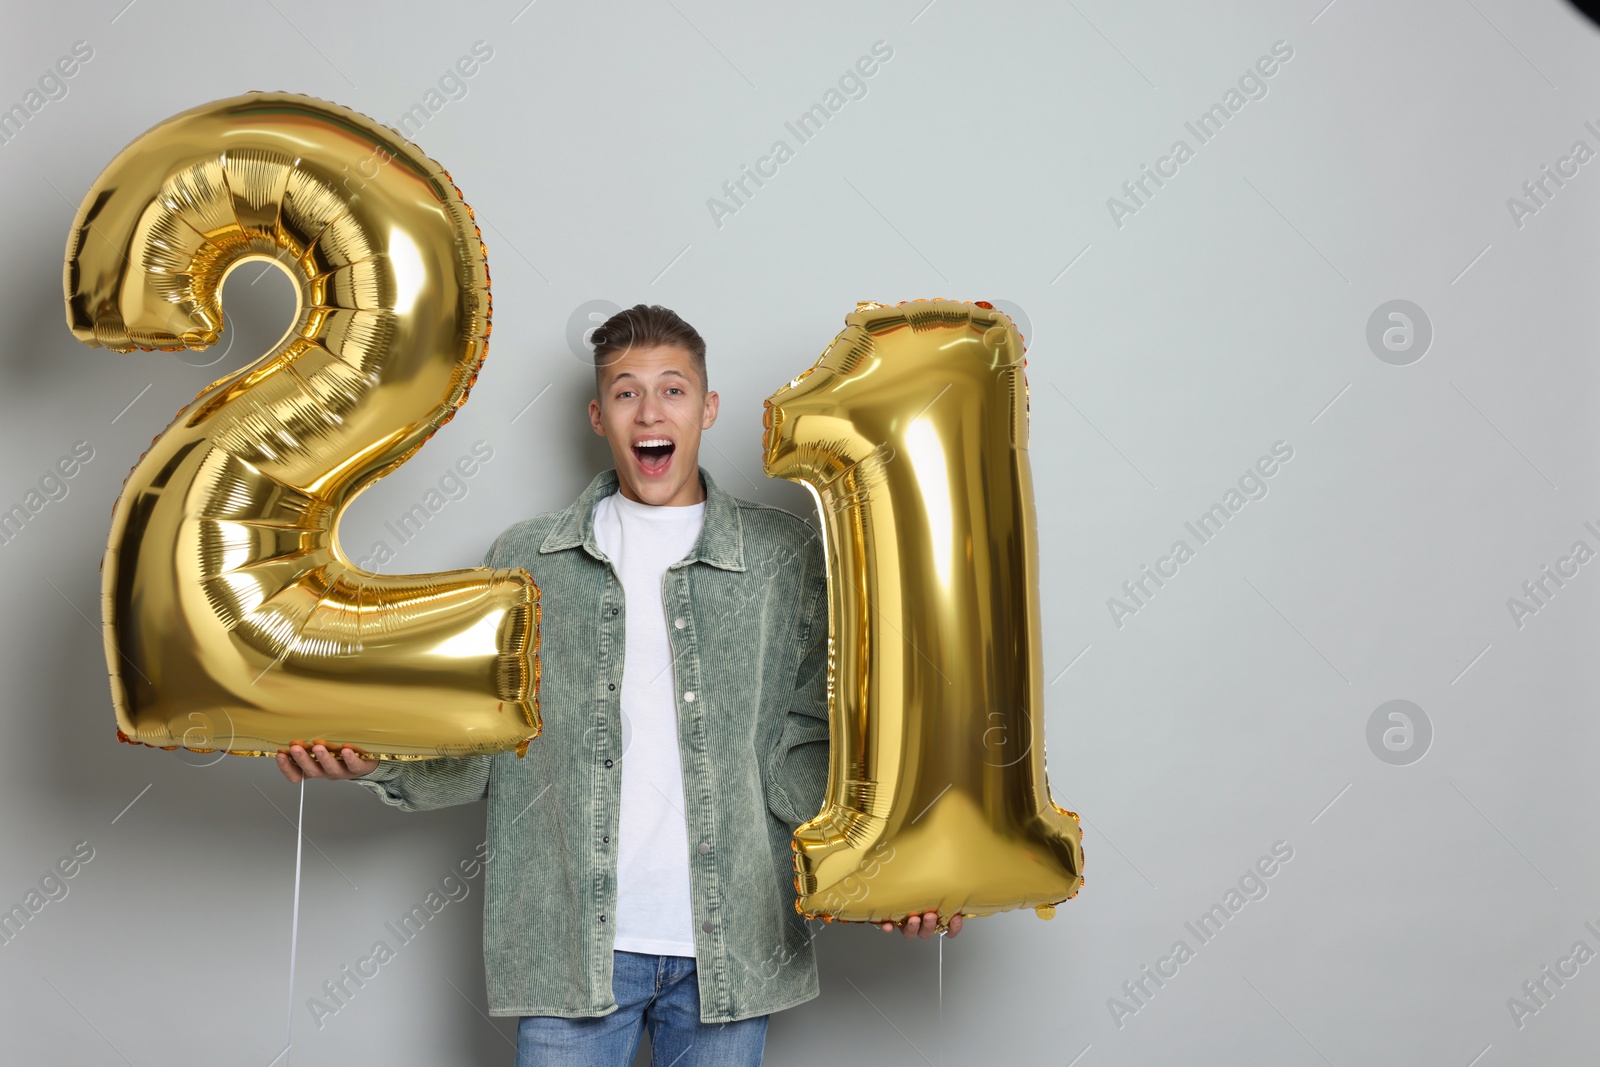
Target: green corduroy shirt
x,y
747,614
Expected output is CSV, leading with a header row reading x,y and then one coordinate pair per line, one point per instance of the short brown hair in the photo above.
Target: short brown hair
x,y
646,326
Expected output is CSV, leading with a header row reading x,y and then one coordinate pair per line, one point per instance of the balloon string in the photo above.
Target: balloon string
x,y
294,926
941,997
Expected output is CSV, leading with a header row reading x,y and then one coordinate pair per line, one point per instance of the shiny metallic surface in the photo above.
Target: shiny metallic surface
x,y
233,620
912,431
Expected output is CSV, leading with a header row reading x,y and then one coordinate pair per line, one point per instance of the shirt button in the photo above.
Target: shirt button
x,y
680,622
613,611
704,848
608,763
611,686
602,918
688,696
606,838
708,926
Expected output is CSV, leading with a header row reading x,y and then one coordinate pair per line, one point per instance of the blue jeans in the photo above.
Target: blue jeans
x,y
659,992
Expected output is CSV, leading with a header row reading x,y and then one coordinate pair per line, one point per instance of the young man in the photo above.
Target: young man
x,y
641,870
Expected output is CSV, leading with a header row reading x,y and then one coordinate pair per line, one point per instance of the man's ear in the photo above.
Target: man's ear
x,y
709,415
594,418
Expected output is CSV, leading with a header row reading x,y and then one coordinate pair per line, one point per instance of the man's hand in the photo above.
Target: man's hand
x,y
923,925
298,764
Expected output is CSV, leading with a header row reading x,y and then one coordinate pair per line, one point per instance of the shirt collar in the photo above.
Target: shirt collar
x,y
721,541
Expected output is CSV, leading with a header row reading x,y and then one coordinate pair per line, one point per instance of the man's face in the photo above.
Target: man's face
x,y
651,409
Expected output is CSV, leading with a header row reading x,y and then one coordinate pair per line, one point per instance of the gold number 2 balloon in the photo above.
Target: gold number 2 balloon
x,y
232,619
911,430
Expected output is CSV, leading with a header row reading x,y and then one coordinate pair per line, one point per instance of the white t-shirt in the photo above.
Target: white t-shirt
x,y
654,911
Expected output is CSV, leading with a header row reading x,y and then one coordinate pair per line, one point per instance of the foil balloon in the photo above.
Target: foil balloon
x,y
232,619
912,430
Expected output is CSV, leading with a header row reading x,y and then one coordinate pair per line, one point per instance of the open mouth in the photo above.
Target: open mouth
x,y
654,454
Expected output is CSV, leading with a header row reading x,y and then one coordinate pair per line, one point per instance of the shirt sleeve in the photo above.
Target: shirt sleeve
x,y
424,785
797,776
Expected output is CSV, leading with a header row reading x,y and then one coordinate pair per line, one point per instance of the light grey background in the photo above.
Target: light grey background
x,y
1166,355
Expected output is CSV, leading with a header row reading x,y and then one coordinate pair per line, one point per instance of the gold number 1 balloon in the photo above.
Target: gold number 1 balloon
x,y
232,619
912,431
